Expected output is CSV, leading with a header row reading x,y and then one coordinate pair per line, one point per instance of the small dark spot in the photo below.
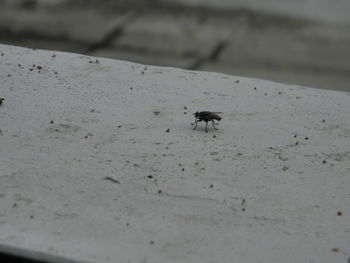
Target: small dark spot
x,y
86,137
51,121
280,92
31,217
14,205
243,209
185,108
324,161
131,88
39,67
53,56
56,73
297,97
265,94
323,121
285,168
1,100
142,73
168,130
339,213
254,88
160,191
150,176
111,179
306,138
119,126
156,112
237,81
151,242
93,110
335,249
183,169
295,136
296,143
211,186
185,112
214,136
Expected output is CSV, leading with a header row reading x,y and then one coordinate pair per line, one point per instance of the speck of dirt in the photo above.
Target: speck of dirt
x,y
131,88
339,213
51,121
243,209
168,130
92,110
214,136
150,176
285,168
111,179
254,88
183,169
1,100
86,137
306,138
296,143
119,126
295,135
265,94
211,186
335,249
237,81
324,161
280,92
160,191
156,112
185,108
323,121
151,242
39,67
185,112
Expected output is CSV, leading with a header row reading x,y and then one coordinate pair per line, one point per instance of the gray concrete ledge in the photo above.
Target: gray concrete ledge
x,y
99,163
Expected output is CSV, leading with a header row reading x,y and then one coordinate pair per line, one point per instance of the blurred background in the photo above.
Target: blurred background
x,y
304,42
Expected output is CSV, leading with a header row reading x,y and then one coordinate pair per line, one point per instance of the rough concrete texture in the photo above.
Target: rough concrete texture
x,y
300,42
99,163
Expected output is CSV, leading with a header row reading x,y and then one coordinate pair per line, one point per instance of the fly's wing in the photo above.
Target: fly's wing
x,y
216,116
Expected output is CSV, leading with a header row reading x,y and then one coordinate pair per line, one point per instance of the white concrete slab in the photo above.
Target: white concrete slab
x,y
99,163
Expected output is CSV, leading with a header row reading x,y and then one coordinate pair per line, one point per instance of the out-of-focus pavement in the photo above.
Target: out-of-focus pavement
x,y
300,42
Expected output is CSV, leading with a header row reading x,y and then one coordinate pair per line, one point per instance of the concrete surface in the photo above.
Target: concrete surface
x,y
99,163
299,42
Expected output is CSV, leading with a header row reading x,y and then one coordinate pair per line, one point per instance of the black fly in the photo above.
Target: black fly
x,y
206,116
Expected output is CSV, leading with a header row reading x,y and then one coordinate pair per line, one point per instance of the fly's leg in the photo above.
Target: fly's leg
x,y
206,126
195,123
212,122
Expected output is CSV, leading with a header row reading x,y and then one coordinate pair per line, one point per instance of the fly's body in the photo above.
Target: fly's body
x,y
206,116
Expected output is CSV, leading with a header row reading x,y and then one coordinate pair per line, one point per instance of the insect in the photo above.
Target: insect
x,y
206,116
